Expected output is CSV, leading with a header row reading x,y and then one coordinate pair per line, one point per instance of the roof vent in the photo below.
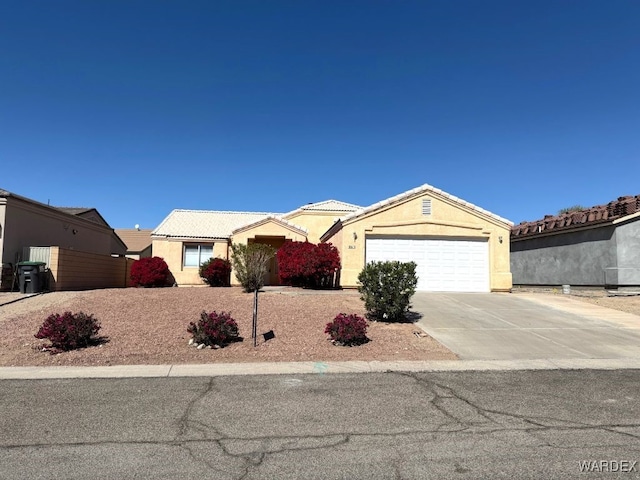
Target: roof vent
x,y
426,206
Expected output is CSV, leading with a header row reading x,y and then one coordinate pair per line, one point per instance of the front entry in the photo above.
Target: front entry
x,y
271,277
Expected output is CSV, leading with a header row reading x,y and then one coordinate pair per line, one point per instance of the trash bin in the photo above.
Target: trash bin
x,y
31,276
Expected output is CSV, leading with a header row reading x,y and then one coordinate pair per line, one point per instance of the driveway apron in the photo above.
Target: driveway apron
x,y
493,326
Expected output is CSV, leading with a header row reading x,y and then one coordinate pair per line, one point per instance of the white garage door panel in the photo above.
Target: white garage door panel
x,y
442,265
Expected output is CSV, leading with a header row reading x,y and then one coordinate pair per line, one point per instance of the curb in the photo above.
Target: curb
x,y
305,368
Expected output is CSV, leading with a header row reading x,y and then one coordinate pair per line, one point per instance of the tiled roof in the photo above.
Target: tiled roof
x,y
206,223
331,206
276,219
337,206
78,212
422,189
90,214
74,210
135,240
599,214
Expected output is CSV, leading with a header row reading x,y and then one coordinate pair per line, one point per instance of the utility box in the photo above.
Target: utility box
x,y
31,277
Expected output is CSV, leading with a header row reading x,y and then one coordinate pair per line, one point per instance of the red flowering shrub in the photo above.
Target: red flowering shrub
x,y
347,330
214,329
216,272
304,264
150,272
69,331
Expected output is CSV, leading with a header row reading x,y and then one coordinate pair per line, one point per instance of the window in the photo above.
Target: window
x,y
196,255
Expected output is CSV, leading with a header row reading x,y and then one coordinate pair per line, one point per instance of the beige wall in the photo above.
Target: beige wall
x,y
143,254
171,250
31,225
75,270
316,223
262,232
448,219
268,229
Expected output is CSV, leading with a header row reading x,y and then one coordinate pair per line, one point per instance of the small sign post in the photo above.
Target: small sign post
x,y
254,332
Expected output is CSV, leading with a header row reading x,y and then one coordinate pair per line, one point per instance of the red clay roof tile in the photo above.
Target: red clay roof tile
x,y
619,208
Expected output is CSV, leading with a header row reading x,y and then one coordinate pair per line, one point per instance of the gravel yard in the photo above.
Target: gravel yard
x,y
149,326
629,302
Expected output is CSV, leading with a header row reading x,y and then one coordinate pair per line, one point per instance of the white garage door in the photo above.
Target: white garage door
x,y
442,265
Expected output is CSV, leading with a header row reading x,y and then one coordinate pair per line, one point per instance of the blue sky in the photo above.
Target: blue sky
x,y
139,107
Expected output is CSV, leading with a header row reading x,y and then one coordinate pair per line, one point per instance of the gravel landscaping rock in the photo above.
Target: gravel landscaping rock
x,y
149,326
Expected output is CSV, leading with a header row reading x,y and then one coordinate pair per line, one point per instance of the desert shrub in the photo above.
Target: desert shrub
x,y
251,264
347,330
304,264
150,272
216,272
387,288
214,329
69,331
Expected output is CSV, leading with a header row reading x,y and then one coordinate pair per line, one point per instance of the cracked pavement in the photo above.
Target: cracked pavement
x,y
517,424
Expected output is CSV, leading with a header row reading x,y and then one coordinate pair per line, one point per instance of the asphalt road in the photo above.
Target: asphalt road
x,y
518,424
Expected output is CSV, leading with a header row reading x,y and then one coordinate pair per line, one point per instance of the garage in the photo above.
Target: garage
x,y
457,246
443,264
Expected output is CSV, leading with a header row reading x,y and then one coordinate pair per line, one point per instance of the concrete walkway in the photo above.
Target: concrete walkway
x,y
527,327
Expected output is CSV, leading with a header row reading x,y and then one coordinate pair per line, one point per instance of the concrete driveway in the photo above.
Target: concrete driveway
x,y
486,326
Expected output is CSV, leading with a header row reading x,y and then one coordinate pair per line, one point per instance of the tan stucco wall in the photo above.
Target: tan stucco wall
x,y
30,225
75,270
316,223
269,229
143,254
171,250
447,219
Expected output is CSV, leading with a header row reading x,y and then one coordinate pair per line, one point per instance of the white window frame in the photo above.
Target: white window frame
x,y
200,253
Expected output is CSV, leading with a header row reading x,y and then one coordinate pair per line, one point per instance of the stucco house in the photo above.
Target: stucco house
x,y
137,240
30,229
456,245
596,246
186,238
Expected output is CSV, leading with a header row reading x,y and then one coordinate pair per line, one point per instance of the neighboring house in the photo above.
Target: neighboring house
x,y
138,242
456,245
597,246
25,223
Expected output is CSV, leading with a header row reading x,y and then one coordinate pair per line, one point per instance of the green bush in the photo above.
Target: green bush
x,y
387,288
251,264
216,272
